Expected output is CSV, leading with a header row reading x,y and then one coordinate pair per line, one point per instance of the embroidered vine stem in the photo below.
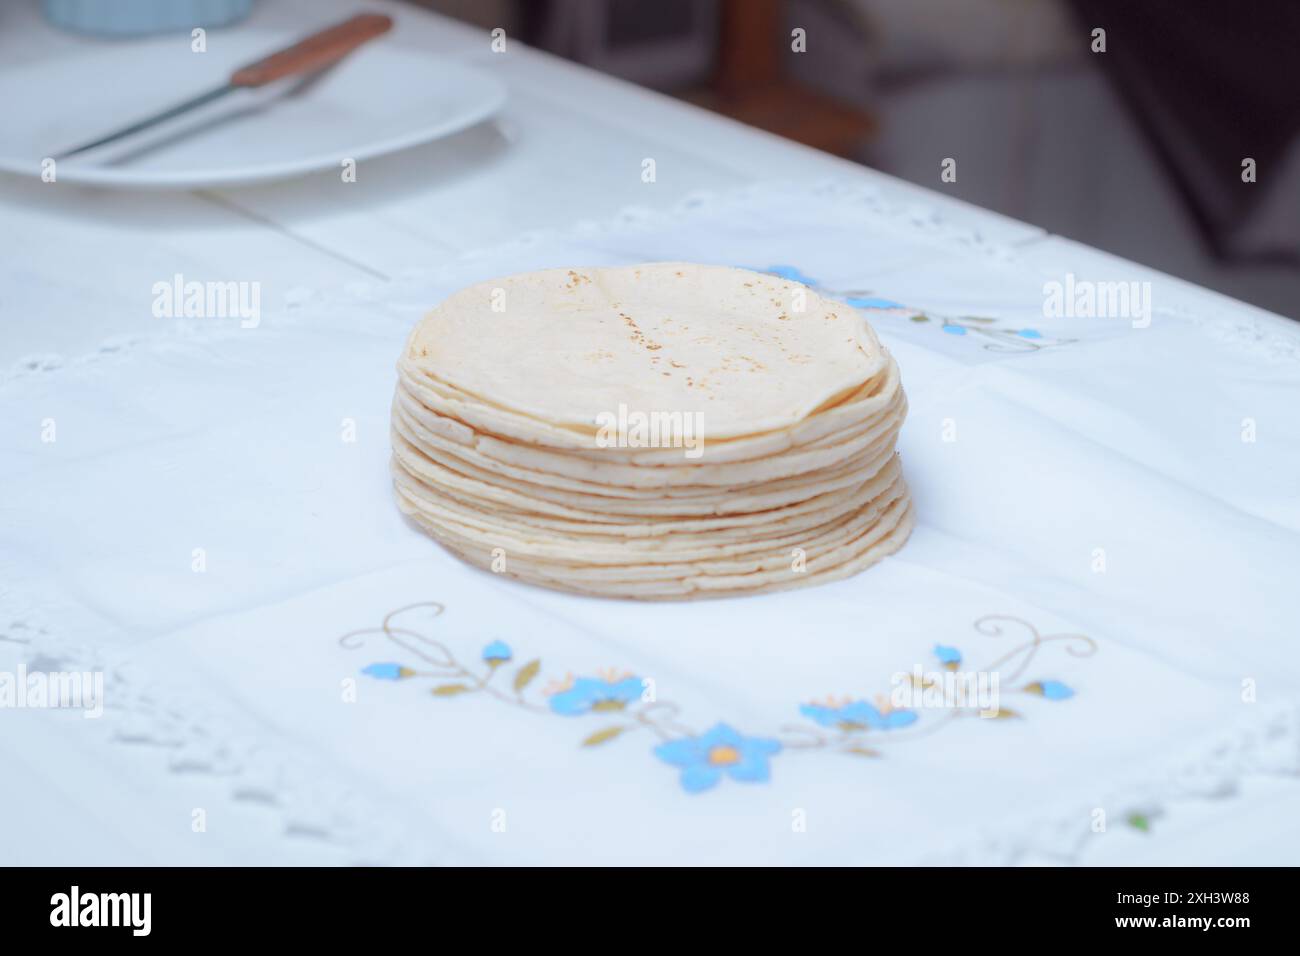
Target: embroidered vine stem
x,y
481,684
852,725
851,738
349,640
659,717
1077,645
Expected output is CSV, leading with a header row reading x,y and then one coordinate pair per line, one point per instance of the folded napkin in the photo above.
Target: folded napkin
x,y
1104,556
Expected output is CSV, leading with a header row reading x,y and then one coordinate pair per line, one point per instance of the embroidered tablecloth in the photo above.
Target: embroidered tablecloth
x,y
1104,558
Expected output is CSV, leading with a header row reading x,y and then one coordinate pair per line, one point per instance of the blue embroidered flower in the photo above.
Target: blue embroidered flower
x,y
858,715
870,302
1051,689
954,329
498,652
949,657
1030,334
387,671
704,759
610,691
791,273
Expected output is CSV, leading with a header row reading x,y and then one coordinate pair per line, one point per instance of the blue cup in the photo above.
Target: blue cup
x,y
131,18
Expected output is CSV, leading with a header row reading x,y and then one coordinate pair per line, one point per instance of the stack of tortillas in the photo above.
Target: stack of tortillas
x,y
661,431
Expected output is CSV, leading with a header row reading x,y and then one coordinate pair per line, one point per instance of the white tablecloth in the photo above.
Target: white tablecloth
x,y
1107,520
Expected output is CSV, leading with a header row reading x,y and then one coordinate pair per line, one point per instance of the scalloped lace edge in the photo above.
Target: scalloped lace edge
x,y
196,733
1266,744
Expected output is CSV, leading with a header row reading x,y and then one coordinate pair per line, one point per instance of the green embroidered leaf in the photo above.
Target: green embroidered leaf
x,y
450,690
1139,821
524,676
978,318
861,751
920,318
601,736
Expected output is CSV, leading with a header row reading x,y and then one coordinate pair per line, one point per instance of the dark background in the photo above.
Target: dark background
x,y
1137,150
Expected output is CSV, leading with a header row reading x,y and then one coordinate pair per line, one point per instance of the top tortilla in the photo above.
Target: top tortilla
x,y
565,346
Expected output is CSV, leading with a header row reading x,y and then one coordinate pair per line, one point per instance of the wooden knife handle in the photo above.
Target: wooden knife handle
x,y
314,52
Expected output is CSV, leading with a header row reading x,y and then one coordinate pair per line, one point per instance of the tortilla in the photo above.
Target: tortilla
x,y
663,431
750,352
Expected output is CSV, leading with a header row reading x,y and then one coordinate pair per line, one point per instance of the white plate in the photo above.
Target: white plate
x,y
381,98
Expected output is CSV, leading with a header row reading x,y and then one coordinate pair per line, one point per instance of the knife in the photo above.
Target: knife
x,y
310,53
